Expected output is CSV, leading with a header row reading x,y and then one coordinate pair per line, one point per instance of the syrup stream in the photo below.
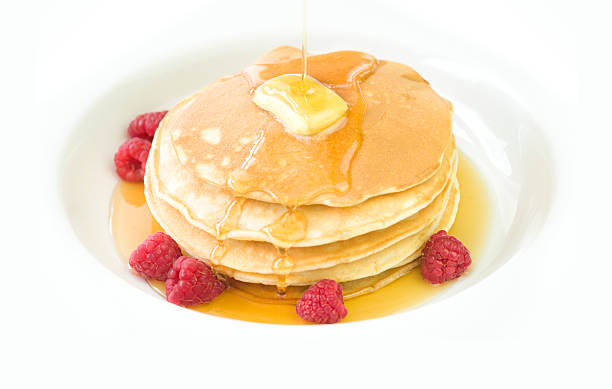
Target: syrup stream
x,y
304,49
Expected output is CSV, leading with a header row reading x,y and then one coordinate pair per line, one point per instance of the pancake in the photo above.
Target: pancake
x,y
265,207
259,257
206,206
398,254
220,134
350,289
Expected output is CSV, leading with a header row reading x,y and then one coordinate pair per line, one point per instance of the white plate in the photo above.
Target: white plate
x,y
492,128
539,319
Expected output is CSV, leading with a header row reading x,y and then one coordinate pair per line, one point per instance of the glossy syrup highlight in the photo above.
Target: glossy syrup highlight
x,y
132,222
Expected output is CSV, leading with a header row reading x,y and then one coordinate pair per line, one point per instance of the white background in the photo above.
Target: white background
x,y
543,319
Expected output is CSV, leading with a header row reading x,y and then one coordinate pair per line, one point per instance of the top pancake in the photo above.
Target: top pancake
x,y
404,130
207,207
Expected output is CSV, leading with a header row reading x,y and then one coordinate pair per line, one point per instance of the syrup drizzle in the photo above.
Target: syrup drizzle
x,y
290,227
217,253
231,218
282,266
328,156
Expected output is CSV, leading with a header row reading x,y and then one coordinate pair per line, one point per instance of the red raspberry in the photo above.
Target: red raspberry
x,y
153,258
444,258
145,125
322,303
131,159
192,282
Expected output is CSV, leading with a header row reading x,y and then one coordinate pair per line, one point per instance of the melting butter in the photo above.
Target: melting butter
x,y
302,104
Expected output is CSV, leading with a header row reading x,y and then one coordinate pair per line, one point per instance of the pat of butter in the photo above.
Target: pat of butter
x,y
303,106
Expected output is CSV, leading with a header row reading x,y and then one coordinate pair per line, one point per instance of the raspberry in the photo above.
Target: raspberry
x,y
153,258
145,125
131,159
192,282
322,303
444,258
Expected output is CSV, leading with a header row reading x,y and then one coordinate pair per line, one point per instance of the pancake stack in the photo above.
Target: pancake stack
x,y
265,207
